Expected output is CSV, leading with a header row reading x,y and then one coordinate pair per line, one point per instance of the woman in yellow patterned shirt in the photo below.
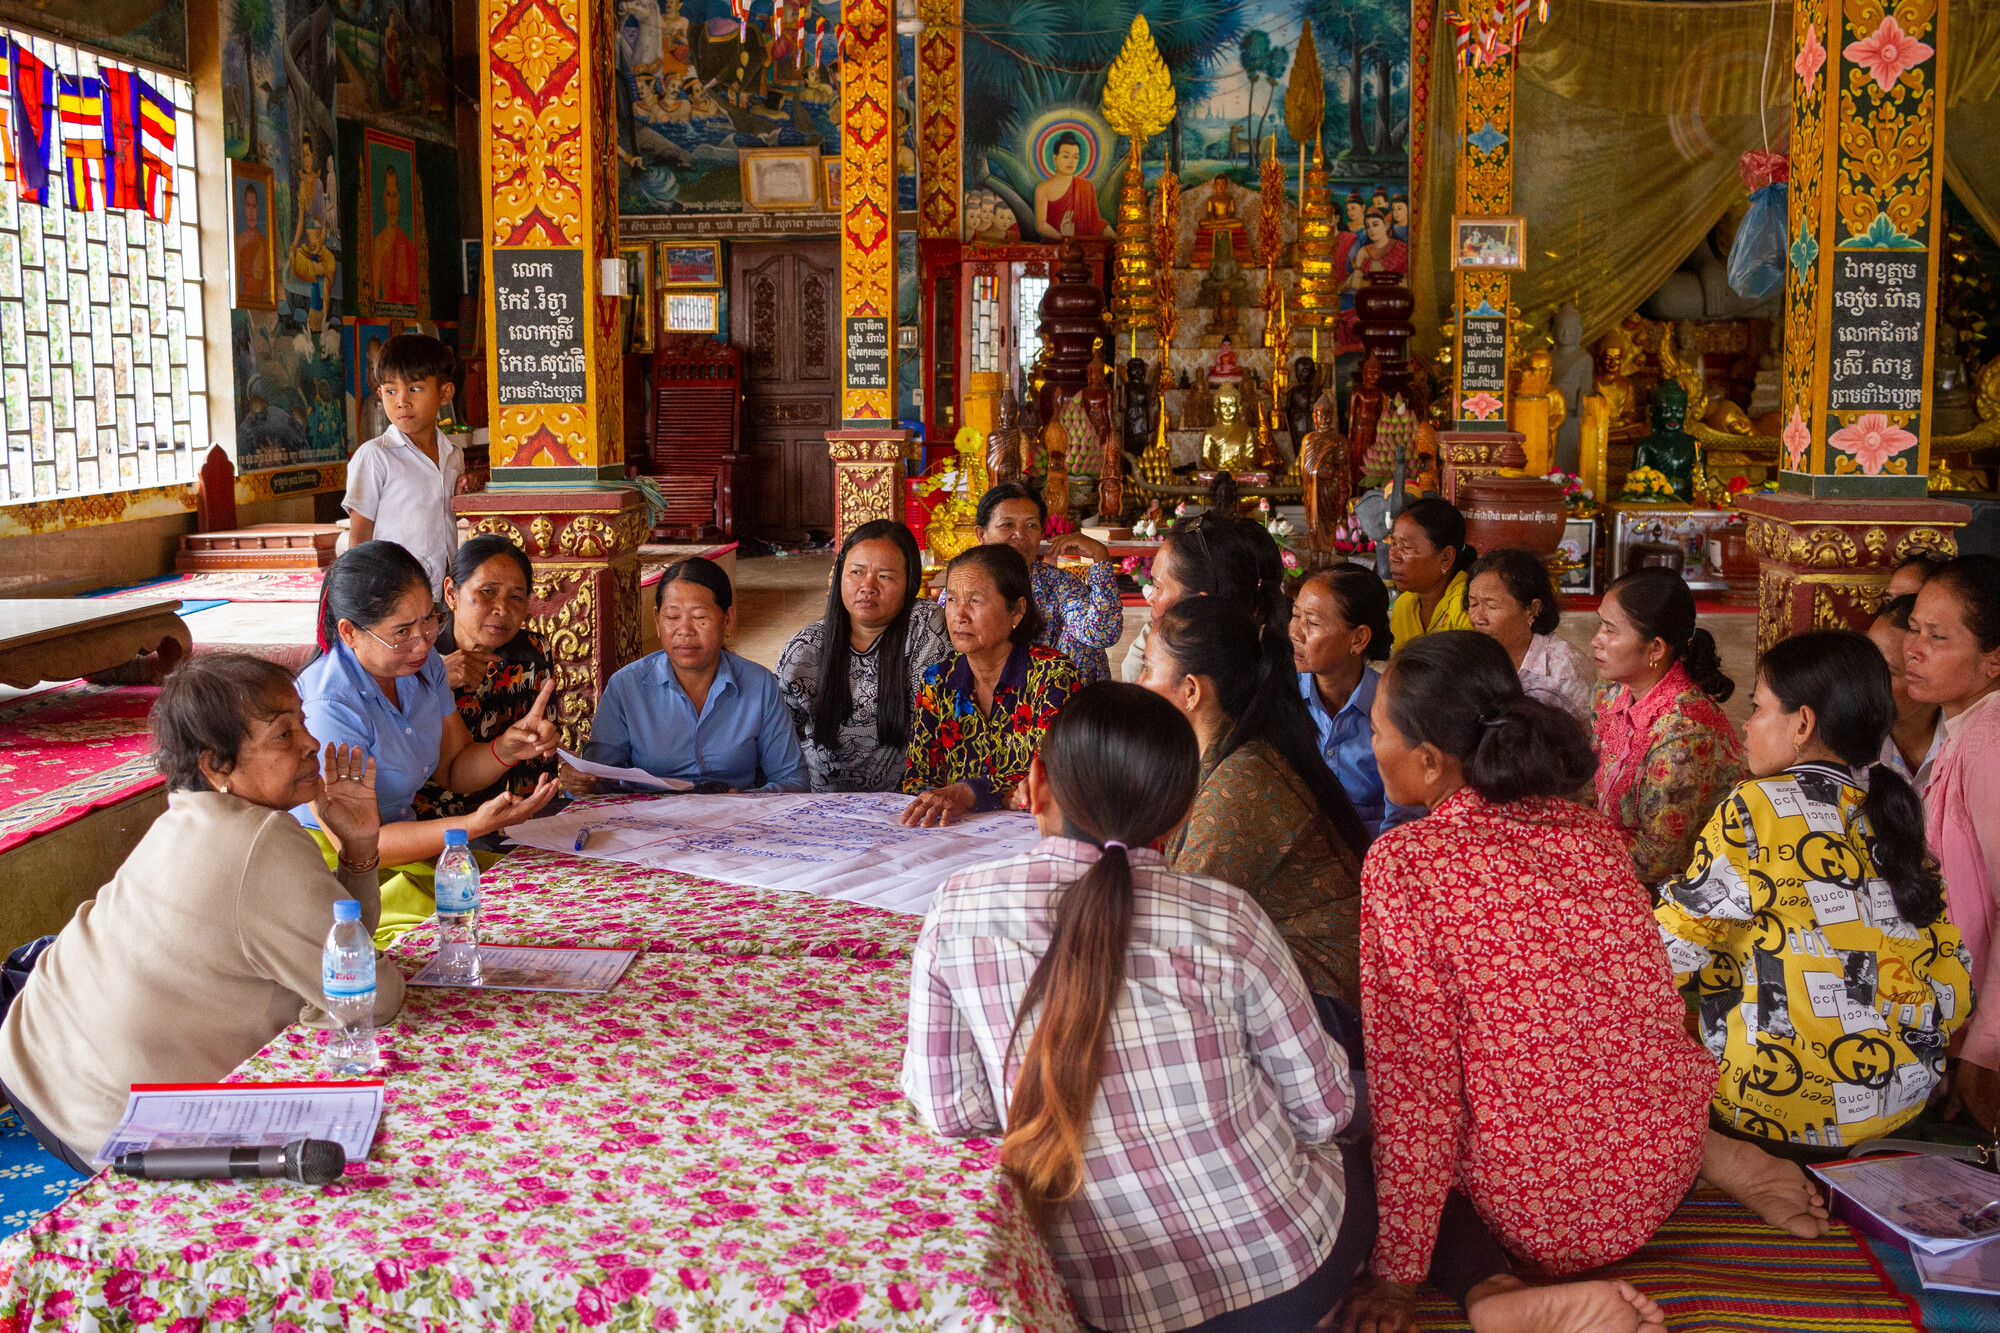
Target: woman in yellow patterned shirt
x,y
1809,930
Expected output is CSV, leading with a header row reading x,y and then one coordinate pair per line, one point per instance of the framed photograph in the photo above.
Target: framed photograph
x,y
638,261
690,312
1493,244
831,167
390,276
687,264
253,263
780,179
1578,553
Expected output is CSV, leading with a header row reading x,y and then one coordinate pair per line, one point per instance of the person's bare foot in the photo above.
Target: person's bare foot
x,y
1506,1305
1778,1191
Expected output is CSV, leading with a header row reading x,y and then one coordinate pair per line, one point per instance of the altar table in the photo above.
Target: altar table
x,y
718,1143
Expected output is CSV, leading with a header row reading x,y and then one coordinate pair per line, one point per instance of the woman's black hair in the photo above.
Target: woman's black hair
x,y
363,586
1458,690
1216,639
1897,610
1445,526
835,702
466,561
1659,605
205,706
1009,572
1526,579
1841,676
1975,581
1123,765
998,495
1363,600
700,571
1921,561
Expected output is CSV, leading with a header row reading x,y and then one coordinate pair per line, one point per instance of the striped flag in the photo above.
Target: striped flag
x,y
156,151
121,119
80,111
33,85
6,110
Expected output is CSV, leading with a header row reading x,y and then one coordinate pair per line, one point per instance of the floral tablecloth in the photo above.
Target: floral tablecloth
x,y
716,1144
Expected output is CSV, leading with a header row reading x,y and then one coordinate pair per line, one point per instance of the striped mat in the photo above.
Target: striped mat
x,y
1714,1268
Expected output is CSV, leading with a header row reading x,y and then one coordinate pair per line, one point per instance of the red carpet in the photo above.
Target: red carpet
x,y
1704,604
248,585
70,750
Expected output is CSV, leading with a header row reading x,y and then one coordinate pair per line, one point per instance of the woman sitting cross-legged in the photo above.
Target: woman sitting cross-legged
x,y
852,702
1270,818
379,685
206,943
1145,1044
982,710
1527,1060
694,710
1810,927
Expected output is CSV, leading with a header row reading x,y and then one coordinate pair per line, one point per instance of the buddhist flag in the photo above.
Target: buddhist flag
x,y
6,111
121,121
80,111
33,85
156,151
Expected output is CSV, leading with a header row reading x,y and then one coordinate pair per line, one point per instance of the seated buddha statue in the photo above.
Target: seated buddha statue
x,y
1221,321
1229,445
1669,449
1614,386
1220,229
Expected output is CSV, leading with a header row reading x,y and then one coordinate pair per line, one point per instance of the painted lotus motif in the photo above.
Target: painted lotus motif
x,y
1873,440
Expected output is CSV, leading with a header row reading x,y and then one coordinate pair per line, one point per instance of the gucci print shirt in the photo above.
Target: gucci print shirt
x,y
855,760
488,708
952,741
1828,1011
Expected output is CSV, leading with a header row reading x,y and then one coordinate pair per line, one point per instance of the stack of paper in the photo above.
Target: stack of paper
x,y
247,1115
1947,1212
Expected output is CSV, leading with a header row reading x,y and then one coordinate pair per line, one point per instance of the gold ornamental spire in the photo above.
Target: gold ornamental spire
x,y
1138,90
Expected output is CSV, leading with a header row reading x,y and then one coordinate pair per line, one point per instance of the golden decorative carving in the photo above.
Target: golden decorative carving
x,y
569,628
862,493
542,530
1876,541
501,527
1823,547
1138,89
588,535
1926,541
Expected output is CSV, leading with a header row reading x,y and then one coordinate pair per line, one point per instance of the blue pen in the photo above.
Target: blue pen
x,y
582,836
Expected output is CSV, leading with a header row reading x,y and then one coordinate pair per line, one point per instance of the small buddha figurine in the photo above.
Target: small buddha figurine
x,y
1299,402
1225,370
1323,468
1096,396
1055,485
1138,419
1953,408
1614,386
1003,445
1229,446
1220,230
1364,410
1223,319
1669,449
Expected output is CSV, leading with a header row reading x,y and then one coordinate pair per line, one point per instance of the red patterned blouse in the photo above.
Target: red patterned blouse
x,y
1525,1042
1664,762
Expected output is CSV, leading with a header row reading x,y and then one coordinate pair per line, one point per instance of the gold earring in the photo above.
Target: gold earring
x,y
224,789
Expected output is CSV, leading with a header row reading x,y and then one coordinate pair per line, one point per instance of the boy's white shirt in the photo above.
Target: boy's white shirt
x,y
411,497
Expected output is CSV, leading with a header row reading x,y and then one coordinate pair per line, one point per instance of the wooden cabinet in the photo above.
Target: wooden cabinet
x,y
784,310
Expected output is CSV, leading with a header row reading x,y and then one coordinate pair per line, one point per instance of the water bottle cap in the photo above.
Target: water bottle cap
x,y
346,909
454,837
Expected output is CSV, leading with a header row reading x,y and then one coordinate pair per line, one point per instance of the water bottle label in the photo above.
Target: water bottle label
x,y
457,897
346,984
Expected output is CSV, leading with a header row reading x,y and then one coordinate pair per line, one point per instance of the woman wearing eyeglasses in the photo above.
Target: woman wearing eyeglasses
x,y
379,685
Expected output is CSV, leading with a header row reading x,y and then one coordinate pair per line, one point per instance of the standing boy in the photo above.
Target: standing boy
x,y
400,484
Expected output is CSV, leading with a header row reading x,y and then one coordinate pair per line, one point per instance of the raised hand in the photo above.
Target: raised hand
x,y
507,809
346,800
534,736
467,667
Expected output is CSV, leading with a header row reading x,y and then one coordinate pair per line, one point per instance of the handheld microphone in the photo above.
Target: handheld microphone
x,y
306,1161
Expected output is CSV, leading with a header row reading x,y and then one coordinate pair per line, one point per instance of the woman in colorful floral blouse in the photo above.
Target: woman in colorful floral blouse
x,y
1665,753
494,665
1080,617
1529,1068
982,711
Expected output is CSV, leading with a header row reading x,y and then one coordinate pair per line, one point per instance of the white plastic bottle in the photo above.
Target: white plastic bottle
x,y
347,978
457,912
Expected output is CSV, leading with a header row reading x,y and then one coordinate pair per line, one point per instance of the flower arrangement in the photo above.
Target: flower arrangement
x,y
1349,539
1648,485
1282,532
1139,568
1147,529
1582,502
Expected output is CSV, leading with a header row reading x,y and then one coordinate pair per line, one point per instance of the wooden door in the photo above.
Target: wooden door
x,y
784,305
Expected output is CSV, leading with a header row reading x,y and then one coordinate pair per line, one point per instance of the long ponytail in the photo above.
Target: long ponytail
x,y
1123,765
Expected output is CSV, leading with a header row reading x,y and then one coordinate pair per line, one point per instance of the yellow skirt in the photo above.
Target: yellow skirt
x,y
409,897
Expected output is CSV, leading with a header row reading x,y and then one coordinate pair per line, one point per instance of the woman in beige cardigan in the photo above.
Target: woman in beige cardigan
x,y
206,944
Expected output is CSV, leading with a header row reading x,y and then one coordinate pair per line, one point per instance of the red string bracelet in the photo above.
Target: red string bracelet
x,y
494,746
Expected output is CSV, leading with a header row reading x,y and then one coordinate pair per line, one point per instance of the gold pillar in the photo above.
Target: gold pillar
x,y
1485,189
940,148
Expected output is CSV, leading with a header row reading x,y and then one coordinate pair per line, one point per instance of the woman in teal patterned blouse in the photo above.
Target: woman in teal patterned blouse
x,y
982,711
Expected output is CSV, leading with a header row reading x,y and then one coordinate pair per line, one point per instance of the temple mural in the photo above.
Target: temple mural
x,y
152,32
395,60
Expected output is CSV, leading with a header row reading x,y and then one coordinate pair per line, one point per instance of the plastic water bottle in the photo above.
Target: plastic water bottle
x,y
347,977
457,912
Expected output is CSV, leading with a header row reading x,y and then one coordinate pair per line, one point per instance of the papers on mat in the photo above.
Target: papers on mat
x,y
846,845
637,777
1973,1268
247,1115
1936,1204
535,967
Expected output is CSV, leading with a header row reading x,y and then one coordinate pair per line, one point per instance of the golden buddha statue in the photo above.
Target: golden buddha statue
x,y
1536,409
1229,445
1614,386
1727,417
1220,228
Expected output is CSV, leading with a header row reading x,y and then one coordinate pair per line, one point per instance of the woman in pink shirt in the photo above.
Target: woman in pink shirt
x,y
1952,658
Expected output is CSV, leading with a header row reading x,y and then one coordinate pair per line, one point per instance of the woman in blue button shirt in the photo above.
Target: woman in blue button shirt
x,y
1340,623
694,710
378,684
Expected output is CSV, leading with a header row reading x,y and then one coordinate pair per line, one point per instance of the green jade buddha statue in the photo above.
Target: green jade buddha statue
x,y
1669,449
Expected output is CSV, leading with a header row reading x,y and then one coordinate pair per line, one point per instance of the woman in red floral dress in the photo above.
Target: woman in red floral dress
x,y
1533,1087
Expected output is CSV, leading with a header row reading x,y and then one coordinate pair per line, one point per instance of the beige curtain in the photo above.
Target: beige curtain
x,y
1972,116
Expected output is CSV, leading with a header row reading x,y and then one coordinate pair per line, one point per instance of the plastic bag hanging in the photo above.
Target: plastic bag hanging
x,y
1757,259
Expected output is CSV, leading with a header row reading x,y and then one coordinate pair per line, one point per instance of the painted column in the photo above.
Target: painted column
x,y
869,448
549,168
1860,295
1485,189
940,148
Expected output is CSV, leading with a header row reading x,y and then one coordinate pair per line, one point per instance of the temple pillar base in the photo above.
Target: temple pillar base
x,y
585,603
867,476
1825,563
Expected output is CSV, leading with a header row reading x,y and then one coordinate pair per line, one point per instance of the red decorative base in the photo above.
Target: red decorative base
x,y
1825,563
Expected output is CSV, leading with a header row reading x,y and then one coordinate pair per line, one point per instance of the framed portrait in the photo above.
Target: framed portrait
x,y
253,253
638,261
392,269
687,264
690,312
780,179
1578,553
370,418
1490,244
830,166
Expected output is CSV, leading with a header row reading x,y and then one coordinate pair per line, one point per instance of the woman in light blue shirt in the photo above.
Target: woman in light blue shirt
x,y
694,710
1340,623
378,684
